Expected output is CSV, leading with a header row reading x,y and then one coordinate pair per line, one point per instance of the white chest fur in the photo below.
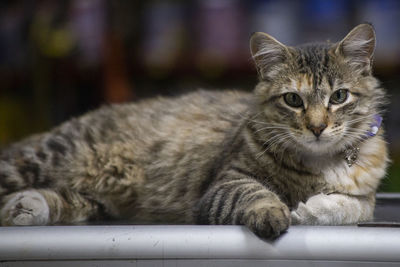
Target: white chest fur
x,y
364,175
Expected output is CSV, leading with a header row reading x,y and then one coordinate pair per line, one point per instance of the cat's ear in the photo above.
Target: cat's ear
x,y
268,53
358,48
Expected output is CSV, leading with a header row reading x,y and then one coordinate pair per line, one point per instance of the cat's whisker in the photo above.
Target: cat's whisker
x,y
272,139
267,147
276,126
354,138
357,132
275,140
285,147
271,127
360,119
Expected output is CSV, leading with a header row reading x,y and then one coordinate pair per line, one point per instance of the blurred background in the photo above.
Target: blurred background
x,y
61,58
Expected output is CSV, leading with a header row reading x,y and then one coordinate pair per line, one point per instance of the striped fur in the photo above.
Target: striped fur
x,y
214,157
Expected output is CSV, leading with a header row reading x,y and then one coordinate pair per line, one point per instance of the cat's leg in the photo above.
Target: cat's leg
x,y
45,206
244,202
334,209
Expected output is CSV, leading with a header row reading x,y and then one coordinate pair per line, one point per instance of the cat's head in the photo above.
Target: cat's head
x,y
316,97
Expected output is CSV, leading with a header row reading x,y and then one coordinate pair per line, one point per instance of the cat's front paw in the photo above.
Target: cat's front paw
x,y
320,209
267,220
25,208
303,215
333,209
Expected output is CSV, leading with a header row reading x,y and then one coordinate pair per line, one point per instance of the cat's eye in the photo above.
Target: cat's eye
x,y
339,96
293,100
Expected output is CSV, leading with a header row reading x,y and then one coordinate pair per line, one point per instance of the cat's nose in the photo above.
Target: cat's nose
x,y
317,130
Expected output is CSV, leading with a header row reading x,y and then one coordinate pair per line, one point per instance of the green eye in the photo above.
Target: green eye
x,y
339,96
293,100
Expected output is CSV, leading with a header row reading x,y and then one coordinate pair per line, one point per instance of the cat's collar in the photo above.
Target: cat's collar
x,y
351,153
374,126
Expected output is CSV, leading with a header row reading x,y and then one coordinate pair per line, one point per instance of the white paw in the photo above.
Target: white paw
x,y
25,208
303,215
320,209
333,209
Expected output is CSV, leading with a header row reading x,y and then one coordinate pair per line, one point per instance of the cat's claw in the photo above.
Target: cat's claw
x,y
25,208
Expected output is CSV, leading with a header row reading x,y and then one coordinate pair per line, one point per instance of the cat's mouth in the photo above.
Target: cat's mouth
x,y
318,140
320,144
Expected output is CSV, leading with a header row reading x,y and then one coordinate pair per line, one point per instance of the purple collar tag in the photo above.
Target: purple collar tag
x,y
375,125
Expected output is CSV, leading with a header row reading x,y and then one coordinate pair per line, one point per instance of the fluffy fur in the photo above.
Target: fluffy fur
x,y
216,157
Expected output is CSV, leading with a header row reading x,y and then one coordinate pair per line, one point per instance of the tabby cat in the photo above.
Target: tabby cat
x,y
298,150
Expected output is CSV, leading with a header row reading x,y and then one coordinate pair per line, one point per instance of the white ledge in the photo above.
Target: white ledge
x,y
345,243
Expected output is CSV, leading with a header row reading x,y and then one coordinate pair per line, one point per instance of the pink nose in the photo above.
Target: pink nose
x,y
317,130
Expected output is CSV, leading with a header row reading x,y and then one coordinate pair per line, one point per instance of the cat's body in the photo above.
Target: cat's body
x,y
213,157
135,159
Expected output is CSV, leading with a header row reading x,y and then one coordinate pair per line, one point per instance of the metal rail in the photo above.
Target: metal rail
x,y
315,243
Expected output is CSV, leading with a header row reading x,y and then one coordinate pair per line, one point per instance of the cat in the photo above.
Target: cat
x,y
297,150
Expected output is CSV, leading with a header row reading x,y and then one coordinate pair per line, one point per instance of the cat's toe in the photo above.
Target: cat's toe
x,y
296,219
303,215
268,221
25,208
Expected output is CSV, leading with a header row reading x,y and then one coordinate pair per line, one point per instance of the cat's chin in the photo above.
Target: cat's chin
x,y
321,147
